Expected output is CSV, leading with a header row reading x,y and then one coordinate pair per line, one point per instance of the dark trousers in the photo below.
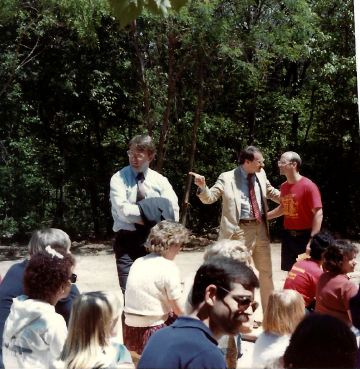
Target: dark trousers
x,y
291,247
128,247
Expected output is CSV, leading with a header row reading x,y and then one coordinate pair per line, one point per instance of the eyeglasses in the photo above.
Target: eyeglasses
x,y
260,162
243,301
137,155
284,163
73,278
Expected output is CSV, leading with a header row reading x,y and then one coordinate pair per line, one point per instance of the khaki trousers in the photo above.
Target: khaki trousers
x,y
254,236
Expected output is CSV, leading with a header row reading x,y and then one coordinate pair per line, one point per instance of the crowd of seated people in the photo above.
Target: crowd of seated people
x,y
312,323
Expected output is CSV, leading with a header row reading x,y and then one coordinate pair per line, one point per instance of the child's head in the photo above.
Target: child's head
x,y
284,311
93,317
233,249
164,235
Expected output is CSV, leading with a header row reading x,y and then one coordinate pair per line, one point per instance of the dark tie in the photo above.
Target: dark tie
x,y
255,211
141,188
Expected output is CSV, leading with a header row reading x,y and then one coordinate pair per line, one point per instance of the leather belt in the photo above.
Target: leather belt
x,y
298,232
248,221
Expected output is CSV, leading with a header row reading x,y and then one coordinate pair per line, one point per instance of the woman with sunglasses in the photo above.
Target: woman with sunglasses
x,y
284,311
34,333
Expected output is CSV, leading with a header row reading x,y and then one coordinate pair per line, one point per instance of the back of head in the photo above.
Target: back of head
x,y
221,272
284,311
89,329
143,142
46,271
165,234
48,237
334,254
233,249
319,243
321,341
248,154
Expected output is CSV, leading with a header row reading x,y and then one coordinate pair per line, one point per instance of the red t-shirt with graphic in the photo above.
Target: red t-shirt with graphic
x,y
297,200
303,277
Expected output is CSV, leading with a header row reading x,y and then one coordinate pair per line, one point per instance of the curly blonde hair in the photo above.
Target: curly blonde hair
x,y
165,234
232,249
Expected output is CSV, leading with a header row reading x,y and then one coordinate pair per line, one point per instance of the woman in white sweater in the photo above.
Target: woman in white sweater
x,y
284,311
153,287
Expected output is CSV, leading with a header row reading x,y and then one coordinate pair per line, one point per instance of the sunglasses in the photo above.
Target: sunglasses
x,y
73,278
243,301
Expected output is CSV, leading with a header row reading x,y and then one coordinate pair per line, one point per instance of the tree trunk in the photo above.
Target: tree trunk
x,y
185,202
142,78
171,84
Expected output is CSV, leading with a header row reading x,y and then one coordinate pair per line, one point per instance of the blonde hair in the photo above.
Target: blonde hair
x,y
91,322
232,249
165,234
284,311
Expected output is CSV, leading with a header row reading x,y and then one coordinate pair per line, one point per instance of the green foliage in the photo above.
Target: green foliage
x,y
127,11
280,75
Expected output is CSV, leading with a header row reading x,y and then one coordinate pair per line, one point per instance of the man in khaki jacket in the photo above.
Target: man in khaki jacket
x,y
244,191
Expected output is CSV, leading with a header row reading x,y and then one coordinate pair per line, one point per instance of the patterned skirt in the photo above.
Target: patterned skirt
x,y
136,338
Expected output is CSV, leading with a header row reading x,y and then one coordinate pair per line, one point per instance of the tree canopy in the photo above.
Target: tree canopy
x,y
205,81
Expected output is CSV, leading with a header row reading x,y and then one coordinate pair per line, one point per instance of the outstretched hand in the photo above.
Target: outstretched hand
x,y
198,180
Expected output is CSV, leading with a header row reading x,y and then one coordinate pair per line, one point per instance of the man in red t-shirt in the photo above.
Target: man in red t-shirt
x,y
300,203
304,275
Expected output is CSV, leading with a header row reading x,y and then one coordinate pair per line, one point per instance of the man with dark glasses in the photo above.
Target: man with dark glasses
x,y
223,301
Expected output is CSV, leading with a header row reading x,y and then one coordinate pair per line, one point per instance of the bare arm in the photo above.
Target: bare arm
x,y
277,212
316,225
176,306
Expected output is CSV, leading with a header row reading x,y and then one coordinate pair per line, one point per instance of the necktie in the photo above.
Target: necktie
x,y
141,188
255,211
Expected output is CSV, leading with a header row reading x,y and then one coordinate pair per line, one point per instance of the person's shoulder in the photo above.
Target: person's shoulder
x,y
307,182
156,176
121,174
229,173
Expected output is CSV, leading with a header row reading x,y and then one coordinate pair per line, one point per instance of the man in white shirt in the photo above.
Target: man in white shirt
x,y
128,187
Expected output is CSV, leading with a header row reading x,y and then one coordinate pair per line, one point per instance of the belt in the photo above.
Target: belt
x,y
125,231
248,221
298,232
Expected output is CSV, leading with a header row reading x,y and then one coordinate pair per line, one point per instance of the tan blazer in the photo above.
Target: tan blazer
x,y
228,186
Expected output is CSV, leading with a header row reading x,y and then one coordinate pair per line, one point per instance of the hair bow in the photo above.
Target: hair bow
x,y
53,253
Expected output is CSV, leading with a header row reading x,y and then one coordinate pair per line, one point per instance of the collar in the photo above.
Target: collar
x,y
244,175
136,173
187,322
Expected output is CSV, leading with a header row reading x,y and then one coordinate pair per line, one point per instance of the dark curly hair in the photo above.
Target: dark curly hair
x,y
45,273
334,255
319,244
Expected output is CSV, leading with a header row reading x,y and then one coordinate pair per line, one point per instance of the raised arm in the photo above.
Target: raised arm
x,y
206,195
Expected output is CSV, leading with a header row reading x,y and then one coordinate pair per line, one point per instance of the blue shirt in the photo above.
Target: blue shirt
x,y
123,192
245,195
187,343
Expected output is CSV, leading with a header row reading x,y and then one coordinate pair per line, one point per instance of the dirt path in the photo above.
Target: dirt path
x,y
96,268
